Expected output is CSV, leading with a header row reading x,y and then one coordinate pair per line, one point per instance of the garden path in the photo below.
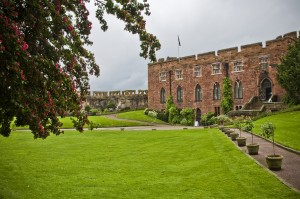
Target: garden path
x,y
290,172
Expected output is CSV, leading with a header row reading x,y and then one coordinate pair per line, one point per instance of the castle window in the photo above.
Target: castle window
x,y
179,94
238,66
162,76
178,74
198,93
238,90
162,96
197,71
216,91
216,68
263,62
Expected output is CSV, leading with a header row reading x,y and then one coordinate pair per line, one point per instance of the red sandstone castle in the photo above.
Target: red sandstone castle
x,y
196,81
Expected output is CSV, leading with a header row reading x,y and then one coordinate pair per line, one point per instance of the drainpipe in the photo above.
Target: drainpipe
x,y
170,81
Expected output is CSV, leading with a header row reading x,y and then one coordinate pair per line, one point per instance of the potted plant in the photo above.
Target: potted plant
x,y
253,147
238,123
274,161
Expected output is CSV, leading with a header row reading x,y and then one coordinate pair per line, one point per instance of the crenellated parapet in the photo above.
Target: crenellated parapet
x,y
127,99
244,50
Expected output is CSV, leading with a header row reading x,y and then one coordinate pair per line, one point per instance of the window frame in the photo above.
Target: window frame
x,y
238,90
179,94
198,72
163,76
216,71
162,95
216,91
178,74
238,65
198,93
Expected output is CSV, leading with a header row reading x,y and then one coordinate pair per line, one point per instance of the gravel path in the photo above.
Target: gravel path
x,y
290,172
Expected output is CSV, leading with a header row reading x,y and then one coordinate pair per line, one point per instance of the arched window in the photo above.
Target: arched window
x,y
238,90
217,92
162,95
179,94
198,93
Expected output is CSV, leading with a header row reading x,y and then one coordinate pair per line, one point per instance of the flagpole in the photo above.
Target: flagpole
x,y
179,44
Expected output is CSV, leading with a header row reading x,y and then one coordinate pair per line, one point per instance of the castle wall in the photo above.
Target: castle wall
x,y
128,99
258,62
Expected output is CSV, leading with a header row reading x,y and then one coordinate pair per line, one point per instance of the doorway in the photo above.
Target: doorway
x,y
265,89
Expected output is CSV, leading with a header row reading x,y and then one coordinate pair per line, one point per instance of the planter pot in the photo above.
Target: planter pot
x,y
228,132
241,141
221,128
274,162
234,136
253,148
225,129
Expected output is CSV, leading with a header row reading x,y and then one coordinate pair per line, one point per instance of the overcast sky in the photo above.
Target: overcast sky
x,y
202,26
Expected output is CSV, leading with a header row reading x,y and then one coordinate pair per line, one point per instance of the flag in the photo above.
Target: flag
x,y
179,44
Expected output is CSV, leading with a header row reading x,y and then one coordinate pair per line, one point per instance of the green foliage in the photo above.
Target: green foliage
x,y
288,73
174,116
111,105
188,116
207,119
139,116
45,64
268,129
87,108
227,101
152,114
223,119
248,125
162,116
169,103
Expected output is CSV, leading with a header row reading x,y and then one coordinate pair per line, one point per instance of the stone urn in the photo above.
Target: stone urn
x,y
253,148
234,135
241,141
274,162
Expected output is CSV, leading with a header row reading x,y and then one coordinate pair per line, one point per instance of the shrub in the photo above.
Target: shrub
x,y
173,112
162,116
188,115
146,111
152,114
206,119
223,119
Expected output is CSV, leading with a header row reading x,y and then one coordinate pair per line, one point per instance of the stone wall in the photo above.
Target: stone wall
x,y
252,76
128,99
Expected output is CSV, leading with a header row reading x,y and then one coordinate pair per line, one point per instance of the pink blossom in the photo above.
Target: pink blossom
x,y
24,47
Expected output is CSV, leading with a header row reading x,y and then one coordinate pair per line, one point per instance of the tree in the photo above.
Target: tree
x,y
227,102
288,73
45,66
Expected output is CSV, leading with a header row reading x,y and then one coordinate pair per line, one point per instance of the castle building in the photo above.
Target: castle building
x,y
196,81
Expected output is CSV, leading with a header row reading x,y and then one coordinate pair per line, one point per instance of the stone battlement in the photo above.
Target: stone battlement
x,y
247,49
118,93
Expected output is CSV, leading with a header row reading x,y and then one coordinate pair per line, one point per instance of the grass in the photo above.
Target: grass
x,y
139,116
287,130
102,120
137,164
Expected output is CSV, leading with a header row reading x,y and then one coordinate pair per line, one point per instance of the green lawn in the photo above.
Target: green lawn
x,y
102,120
139,116
136,164
287,128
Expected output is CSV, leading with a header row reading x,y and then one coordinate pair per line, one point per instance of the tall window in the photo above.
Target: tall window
x,y
162,76
179,94
217,92
263,62
216,68
197,71
162,95
178,74
198,93
238,90
238,65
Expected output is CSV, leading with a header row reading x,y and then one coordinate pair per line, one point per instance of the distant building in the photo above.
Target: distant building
x,y
196,81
